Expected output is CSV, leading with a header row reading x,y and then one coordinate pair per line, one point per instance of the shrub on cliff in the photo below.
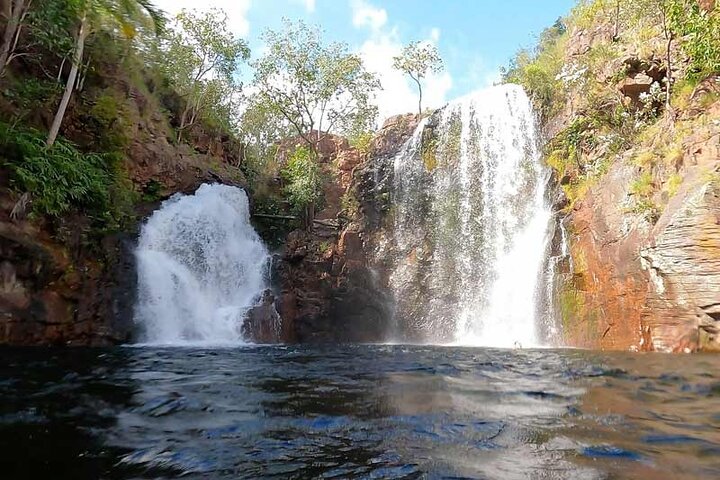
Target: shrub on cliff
x,y
539,70
303,179
61,178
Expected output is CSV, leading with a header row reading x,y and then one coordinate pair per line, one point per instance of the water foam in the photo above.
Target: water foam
x,y
201,266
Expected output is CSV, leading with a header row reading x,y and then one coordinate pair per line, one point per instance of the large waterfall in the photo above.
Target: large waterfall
x,y
201,266
471,224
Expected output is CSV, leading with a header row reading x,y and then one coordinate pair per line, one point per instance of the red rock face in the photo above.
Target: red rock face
x,y
327,289
644,286
707,5
332,287
58,288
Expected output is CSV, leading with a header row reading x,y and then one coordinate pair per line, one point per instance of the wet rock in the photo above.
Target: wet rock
x,y
262,322
331,287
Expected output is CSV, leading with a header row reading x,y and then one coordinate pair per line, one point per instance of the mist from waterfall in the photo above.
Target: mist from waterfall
x,y
201,266
471,225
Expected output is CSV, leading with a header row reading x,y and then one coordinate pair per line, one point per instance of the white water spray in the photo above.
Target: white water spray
x,y
471,223
201,266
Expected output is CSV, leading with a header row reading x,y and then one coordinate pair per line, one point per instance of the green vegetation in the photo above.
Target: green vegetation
x,y
539,70
349,204
303,182
315,88
61,178
312,89
116,76
700,34
199,56
362,141
612,42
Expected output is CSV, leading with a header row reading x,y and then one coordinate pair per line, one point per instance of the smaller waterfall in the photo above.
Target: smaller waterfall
x,y
201,267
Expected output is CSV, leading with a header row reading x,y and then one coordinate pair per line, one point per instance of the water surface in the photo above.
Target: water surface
x,y
357,412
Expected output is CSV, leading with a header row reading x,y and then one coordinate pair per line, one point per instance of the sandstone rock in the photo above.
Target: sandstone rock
x,y
649,287
331,288
633,87
683,260
707,5
262,322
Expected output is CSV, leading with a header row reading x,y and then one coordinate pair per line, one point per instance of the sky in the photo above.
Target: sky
x,y
475,38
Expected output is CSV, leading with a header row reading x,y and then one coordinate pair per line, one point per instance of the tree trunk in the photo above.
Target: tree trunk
x,y
70,84
616,33
420,99
13,11
668,74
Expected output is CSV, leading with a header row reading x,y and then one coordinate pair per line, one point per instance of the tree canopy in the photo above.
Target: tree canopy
x,y
200,57
417,60
317,88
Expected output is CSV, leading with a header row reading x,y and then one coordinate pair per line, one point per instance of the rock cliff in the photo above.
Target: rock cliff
x,y
642,215
63,281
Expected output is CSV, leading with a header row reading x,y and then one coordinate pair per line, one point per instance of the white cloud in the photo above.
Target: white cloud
x,y
366,15
435,34
309,5
398,94
236,10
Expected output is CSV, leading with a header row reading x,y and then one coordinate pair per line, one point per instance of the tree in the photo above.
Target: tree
x,y
303,182
417,60
318,89
125,15
261,128
200,57
13,13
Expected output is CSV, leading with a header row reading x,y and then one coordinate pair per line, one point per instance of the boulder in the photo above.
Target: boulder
x,y
633,87
262,322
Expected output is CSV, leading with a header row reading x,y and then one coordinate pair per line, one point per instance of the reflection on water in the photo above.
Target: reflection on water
x,y
357,412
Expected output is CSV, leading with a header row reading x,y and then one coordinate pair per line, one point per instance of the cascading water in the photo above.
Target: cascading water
x,y
471,223
201,266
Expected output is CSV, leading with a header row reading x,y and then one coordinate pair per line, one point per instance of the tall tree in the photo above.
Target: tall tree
x,y
201,57
13,13
417,60
125,15
317,88
261,129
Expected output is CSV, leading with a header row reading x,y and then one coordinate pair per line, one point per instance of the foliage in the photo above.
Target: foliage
x,y
417,60
126,16
316,88
200,55
673,184
303,179
261,129
28,93
700,36
109,117
643,186
61,178
362,141
642,190
540,71
349,204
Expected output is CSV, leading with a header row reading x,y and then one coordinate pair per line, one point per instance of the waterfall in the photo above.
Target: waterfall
x,y
471,224
201,267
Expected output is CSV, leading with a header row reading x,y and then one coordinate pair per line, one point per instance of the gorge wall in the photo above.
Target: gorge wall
x,y
638,194
63,280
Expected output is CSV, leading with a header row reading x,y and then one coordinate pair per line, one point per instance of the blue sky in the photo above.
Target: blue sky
x,y
475,38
